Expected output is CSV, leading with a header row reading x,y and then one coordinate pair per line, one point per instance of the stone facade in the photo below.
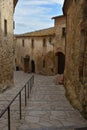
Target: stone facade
x,y
6,42
34,52
76,53
59,45
48,43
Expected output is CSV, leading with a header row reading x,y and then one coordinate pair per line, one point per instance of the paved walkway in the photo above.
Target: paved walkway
x,y
47,106
20,79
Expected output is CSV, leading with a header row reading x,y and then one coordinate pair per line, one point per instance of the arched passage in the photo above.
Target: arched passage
x,y
32,66
61,62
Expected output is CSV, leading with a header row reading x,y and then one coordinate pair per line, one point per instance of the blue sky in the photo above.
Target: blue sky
x,y
31,15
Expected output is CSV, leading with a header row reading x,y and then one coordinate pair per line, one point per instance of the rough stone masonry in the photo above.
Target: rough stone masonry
x,y
76,53
6,43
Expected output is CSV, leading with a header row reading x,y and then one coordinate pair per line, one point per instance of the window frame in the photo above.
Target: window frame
x,y
44,63
23,42
63,31
32,43
44,42
5,28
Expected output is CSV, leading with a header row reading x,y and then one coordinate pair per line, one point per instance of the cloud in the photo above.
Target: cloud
x,y
42,2
36,14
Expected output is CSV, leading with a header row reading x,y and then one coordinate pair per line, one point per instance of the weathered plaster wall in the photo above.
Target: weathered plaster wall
x,y
37,54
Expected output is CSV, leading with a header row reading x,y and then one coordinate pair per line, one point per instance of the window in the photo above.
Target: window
x,y
81,66
43,63
44,42
23,42
5,27
13,24
63,31
32,43
50,40
82,57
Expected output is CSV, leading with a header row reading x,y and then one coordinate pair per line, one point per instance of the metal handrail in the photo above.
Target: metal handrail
x,y
7,109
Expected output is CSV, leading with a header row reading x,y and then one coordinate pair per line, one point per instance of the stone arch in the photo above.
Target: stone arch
x,y
60,49
27,56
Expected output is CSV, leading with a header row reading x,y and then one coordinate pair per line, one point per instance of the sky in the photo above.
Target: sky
x,y
32,15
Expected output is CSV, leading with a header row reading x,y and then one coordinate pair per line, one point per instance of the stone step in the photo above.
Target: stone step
x,y
46,128
52,128
84,128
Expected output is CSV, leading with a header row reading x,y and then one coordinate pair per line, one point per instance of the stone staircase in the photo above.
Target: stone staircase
x,y
48,108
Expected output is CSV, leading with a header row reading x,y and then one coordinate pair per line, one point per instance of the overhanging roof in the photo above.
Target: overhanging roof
x,y
66,5
60,16
15,2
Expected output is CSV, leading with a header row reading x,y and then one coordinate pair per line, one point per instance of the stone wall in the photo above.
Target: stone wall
x,y
60,24
76,54
59,45
6,43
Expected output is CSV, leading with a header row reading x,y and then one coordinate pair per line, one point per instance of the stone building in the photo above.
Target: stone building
x,y
76,53
59,45
34,52
6,42
40,50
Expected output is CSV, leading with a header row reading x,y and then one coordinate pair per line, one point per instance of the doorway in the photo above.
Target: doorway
x,y
33,66
61,62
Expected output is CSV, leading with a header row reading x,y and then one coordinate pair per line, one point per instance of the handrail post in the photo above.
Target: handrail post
x,y
33,79
25,96
30,85
9,127
20,105
28,89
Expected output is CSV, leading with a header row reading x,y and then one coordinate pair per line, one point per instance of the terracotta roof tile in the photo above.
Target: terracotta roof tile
x,y
44,32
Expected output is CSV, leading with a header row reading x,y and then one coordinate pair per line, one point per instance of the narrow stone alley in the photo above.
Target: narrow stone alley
x,y
47,107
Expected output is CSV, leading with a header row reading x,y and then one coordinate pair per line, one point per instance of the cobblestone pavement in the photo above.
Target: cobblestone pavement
x,y
47,106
